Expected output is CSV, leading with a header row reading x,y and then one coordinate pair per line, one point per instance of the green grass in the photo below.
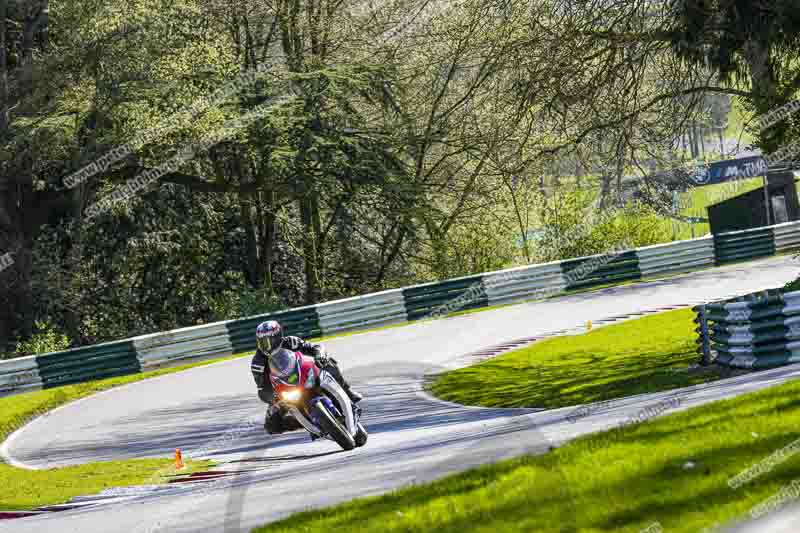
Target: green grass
x,y
695,201
34,488
46,487
622,480
58,485
737,118
53,486
648,354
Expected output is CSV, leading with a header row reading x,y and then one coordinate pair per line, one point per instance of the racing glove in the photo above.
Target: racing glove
x,y
320,356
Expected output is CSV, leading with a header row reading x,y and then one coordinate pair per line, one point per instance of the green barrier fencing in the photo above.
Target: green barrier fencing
x,y
585,273
443,297
769,322
303,322
744,245
88,364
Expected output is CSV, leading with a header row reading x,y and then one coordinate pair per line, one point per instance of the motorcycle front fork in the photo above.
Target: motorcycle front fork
x,y
356,412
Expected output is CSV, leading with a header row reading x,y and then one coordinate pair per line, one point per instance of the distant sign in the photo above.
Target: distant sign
x,y
731,169
532,235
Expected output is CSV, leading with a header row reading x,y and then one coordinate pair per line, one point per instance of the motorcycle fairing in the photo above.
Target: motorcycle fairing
x,y
330,386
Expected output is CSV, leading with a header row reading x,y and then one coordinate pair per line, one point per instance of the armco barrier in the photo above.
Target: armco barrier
x,y
676,257
370,311
88,364
755,331
744,245
302,322
19,375
524,283
422,300
397,306
787,237
587,272
159,349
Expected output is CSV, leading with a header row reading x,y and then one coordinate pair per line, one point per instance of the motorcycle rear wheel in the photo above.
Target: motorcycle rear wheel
x,y
334,428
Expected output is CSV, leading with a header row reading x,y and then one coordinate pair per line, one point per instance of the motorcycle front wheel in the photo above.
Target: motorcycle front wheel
x,y
361,436
334,428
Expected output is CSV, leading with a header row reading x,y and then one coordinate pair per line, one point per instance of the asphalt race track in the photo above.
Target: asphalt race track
x,y
213,412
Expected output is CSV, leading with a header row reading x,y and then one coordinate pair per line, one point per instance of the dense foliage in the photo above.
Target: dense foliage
x,y
258,155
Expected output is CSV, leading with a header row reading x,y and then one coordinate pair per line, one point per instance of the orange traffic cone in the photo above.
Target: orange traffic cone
x,y
178,459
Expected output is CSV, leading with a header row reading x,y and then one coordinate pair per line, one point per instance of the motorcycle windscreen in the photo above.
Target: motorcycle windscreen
x,y
283,364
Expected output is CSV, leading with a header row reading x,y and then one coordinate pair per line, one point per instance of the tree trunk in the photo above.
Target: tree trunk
x,y
405,223
605,189
620,169
319,246
701,136
522,224
683,143
8,230
4,103
762,75
9,272
266,237
21,213
15,279
72,275
247,216
86,140
257,213
693,143
762,80
309,249
441,266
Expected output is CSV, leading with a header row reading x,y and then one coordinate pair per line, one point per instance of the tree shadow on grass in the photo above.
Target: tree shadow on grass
x,y
553,387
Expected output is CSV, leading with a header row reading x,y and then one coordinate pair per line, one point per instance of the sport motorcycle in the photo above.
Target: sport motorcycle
x,y
313,399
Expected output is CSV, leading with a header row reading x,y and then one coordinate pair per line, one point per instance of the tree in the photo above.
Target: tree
x,y
80,81
752,46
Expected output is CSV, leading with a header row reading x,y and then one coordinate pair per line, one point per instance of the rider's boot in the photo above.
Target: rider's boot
x,y
273,423
355,397
333,368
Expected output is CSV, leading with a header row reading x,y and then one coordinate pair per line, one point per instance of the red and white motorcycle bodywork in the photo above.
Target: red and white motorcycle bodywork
x,y
315,399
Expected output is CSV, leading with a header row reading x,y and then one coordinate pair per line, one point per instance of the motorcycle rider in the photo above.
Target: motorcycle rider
x,y
270,339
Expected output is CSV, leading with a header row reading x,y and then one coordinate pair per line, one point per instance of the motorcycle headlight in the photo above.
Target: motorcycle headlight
x,y
291,395
310,381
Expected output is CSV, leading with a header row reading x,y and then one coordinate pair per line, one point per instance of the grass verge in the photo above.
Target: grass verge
x,y
648,354
47,487
36,488
623,480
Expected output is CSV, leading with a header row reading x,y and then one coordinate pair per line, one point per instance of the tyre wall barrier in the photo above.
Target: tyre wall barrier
x,y
759,330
